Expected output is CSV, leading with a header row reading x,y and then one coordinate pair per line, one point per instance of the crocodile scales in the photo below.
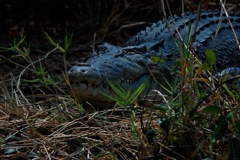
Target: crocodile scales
x,y
130,65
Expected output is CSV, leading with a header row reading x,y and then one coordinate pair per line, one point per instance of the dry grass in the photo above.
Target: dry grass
x,y
55,128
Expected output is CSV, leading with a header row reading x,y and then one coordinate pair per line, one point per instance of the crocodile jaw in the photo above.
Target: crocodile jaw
x,y
85,88
89,92
115,65
85,80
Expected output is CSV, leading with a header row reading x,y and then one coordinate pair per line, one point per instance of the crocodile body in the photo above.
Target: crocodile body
x,y
130,65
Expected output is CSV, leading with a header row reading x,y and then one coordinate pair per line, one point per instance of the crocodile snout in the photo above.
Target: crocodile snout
x,y
80,68
84,71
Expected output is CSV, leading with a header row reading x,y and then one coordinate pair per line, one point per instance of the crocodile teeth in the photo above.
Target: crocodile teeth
x,y
122,79
127,80
83,86
94,93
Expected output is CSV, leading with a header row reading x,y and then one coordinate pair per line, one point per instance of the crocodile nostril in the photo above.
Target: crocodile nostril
x,y
82,70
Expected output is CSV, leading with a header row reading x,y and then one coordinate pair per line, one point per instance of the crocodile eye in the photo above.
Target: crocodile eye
x,y
133,48
158,45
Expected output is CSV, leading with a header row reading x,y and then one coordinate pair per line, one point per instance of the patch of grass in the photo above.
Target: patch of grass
x,y
199,121
25,117
124,98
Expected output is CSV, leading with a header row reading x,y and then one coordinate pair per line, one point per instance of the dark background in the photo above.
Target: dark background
x,y
86,17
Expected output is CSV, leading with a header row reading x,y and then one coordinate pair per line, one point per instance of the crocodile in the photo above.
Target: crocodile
x,y
131,65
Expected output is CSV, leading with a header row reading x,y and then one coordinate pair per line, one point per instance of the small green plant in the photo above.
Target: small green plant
x,y
122,97
23,52
39,73
67,43
64,51
125,99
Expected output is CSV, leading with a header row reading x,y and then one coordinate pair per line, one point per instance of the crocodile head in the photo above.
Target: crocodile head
x,y
127,66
